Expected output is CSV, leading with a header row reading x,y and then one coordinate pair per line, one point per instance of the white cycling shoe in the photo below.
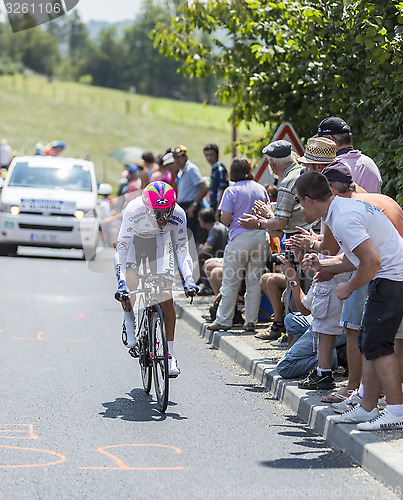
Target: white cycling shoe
x,y
128,335
173,367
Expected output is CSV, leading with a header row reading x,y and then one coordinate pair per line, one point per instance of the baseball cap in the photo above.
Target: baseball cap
x,y
338,172
333,125
179,150
132,168
278,149
168,158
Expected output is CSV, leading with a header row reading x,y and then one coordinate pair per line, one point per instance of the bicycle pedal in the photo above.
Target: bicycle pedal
x,y
134,352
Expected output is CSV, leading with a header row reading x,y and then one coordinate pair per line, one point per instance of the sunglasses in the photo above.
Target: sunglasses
x,y
163,215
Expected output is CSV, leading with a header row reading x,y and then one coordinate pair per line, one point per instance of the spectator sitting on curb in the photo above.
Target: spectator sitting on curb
x,y
213,247
302,356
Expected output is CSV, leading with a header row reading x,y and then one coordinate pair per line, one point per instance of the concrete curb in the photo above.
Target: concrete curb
x,y
377,457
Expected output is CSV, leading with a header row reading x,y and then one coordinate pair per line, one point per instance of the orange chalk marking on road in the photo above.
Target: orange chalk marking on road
x,y
28,430
78,315
120,465
62,458
39,336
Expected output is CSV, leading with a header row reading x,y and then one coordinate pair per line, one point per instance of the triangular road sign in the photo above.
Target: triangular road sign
x,y
285,131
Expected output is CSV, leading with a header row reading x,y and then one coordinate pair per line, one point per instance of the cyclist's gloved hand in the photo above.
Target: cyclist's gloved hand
x,y
190,287
122,289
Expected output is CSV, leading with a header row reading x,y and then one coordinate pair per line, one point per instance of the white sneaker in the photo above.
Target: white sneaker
x,y
354,416
173,367
384,421
128,335
348,403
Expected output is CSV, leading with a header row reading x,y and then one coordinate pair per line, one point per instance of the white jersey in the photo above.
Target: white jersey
x,y
173,237
354,221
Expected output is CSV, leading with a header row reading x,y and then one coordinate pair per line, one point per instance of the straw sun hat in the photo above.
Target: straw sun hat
x,y
319,150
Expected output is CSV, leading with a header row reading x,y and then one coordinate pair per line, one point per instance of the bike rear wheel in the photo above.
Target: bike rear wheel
x,y
159,348
144,343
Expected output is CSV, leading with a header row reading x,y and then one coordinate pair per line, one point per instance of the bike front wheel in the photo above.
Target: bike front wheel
x,y
144,343
159,351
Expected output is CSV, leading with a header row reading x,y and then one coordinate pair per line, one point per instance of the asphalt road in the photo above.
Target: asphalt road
x,y
76,424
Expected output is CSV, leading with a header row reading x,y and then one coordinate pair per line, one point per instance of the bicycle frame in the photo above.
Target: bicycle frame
x,y
151,337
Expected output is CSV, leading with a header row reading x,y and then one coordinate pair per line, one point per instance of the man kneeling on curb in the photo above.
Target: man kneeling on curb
x,y
373,247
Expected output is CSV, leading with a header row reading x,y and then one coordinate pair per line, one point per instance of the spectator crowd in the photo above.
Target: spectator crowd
x,y
319,253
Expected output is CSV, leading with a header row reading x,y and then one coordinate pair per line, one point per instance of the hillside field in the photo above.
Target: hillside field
x,y
99,121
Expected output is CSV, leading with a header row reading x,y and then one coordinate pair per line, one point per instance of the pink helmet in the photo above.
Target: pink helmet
x,y
159,200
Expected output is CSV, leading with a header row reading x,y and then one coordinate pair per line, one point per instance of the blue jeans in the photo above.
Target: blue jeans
x,y
301,358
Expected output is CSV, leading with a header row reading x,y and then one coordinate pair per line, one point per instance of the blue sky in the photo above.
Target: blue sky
x,y
108,10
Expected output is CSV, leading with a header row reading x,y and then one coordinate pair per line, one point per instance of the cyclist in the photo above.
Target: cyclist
x,y
155,225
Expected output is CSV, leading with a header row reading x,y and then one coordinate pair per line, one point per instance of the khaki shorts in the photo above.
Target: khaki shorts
x,y
326,307
399,334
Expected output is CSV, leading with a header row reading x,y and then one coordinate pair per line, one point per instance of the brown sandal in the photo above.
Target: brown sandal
x,y
334,397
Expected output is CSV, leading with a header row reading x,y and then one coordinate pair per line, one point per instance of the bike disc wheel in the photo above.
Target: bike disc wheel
x,y
159,349
144,343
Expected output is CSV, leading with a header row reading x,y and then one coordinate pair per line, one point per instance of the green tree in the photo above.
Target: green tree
x,y
38,50
301,61
149,71
77,37
103,60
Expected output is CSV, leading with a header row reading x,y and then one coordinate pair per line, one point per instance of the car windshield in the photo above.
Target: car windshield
x,y
74,178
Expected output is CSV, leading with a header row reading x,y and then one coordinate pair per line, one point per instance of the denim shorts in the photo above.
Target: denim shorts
x,y
382,317
353,308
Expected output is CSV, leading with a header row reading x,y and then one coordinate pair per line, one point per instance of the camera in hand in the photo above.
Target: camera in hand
x,y
287,254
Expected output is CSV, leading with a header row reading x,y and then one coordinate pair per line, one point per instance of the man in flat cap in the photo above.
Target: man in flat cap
x,y
288,212
287,215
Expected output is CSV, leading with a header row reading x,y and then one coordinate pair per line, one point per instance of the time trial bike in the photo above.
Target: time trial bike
x,y
152,346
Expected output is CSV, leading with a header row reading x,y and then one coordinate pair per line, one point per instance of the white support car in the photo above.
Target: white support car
x,y
48,201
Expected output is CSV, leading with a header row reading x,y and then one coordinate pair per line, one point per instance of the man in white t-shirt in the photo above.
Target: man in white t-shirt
x,y
371,245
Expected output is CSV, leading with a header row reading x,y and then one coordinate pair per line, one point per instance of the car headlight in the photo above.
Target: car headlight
x,y
79,214
14,210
